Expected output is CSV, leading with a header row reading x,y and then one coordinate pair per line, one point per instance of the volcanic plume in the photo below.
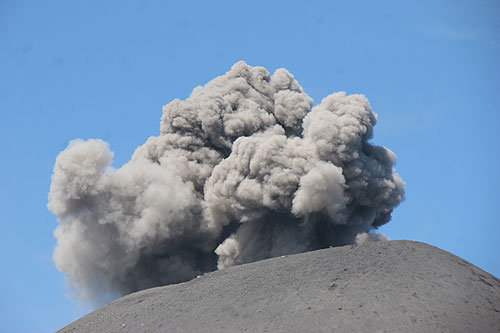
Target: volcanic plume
x,y
244,169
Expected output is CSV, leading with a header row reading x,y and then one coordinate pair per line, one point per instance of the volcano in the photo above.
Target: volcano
x,y
393,286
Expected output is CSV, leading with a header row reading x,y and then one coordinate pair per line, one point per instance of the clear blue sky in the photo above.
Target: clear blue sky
x,y
103,69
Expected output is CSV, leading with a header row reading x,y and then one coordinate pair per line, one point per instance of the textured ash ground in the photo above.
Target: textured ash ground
x,y
374,287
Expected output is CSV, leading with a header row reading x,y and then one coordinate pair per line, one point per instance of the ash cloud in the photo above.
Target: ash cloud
x,y
244,169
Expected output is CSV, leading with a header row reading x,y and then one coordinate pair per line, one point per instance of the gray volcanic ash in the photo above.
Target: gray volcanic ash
x,y
244,169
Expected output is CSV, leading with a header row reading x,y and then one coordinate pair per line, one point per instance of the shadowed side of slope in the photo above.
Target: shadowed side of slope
x,y
394,286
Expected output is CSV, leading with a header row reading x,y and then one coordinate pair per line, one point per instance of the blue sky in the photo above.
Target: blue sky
x,y
95,69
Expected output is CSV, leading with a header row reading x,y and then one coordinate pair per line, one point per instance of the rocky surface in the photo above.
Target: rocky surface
x,y
396,286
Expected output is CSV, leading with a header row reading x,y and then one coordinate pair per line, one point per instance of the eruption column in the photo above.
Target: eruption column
x,y
244,169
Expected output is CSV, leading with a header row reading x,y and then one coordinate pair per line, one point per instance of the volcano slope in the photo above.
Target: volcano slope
x,y
395,286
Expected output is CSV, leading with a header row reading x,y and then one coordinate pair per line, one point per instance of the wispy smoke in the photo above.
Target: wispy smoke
x,y
244,169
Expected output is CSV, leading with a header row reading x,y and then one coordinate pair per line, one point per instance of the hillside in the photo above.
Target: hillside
x,y
374,287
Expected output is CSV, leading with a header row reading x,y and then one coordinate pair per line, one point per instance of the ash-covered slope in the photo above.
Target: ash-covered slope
x,y
396,286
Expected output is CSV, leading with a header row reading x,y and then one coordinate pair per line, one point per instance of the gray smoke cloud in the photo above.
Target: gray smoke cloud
x,y
244,169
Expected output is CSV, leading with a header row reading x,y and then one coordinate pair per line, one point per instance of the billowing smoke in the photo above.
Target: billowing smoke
x,y
244,169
